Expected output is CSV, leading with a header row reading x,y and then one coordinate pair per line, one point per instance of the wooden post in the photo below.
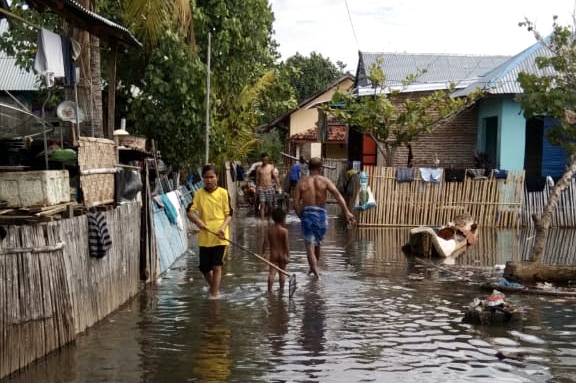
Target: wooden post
x,y
109,132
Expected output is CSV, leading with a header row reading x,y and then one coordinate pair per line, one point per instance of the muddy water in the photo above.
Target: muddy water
x,y
373,317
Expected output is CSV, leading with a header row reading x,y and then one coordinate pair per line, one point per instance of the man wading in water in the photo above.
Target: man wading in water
x,y
266,181
310,205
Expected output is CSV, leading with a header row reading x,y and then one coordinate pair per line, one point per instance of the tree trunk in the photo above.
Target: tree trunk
x,y
534,268
543,223
535,271
382,148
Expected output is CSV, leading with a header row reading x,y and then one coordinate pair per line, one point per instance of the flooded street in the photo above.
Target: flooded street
x,y
366,320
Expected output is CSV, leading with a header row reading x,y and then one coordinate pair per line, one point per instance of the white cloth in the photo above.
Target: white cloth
x,y
431,174
49,60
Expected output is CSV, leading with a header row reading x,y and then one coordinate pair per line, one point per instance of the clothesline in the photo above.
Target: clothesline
x,y
16,17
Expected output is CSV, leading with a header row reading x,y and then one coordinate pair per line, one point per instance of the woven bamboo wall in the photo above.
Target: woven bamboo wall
x,y
491,202
53,290
565,213
97,162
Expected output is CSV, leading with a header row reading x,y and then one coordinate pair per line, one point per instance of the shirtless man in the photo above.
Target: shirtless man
x,y
266,193
277,237
309,203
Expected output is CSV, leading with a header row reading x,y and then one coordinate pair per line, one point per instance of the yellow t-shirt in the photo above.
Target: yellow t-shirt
x,y
212,208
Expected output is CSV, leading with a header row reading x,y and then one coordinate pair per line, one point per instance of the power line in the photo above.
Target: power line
x,y
352,24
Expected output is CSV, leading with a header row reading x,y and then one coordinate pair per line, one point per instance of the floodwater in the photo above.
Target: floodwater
x,y
372,317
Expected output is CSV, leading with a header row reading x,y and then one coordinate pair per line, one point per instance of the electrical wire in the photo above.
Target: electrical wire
x,y
352,24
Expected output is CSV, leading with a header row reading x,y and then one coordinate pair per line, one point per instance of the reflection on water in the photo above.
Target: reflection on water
x,y
365,320
313,324
212,358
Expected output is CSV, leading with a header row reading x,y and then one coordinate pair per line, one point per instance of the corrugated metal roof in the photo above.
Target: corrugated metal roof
x,y
12,77
77,15
440,69
504,78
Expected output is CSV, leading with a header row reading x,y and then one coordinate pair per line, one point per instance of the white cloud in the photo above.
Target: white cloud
x,y
416,26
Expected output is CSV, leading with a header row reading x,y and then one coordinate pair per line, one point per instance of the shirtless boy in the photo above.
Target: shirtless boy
x,y
264,176
279,253
310,205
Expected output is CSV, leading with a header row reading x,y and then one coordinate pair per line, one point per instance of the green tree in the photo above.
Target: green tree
x,y
169,105
272,144
393,125
552,92
234,137
242,54
149,19
312,74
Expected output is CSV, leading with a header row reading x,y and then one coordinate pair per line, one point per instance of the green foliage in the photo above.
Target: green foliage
x,y
235,135
312,74
170,106
552,91
242,53
241,44
394,125
20,40
278,97
149,19
247,87
271,143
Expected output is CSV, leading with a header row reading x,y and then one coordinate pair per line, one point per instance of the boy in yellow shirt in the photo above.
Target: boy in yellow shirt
x,y
212,213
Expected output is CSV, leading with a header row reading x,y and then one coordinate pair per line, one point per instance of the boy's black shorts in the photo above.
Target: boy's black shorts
x,y
210,257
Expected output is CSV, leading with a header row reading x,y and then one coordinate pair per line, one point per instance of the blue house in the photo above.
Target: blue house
x,y
495,126
504,134
455,142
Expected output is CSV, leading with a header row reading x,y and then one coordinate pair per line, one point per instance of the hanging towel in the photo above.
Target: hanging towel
x,y
431,174
455,175
169,209
69,69
99,241
405,174
49,59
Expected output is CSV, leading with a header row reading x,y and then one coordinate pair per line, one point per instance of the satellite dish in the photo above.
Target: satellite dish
x,y
66,111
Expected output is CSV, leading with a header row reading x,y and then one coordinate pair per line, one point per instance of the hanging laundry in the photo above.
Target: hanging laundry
x,y
455,175
405,174
174,198
169,209
431,174
55,57
477,174
69,68
49,60
500,174
99,241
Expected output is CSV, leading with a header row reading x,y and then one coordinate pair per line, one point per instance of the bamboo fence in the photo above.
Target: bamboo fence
x,y
492,202
565,213
51,289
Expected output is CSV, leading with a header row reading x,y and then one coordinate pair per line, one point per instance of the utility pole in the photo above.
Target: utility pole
x,y
208,103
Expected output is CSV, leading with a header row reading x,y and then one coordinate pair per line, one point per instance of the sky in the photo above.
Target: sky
x,y
338,30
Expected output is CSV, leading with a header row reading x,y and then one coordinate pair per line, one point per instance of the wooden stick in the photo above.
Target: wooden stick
x,y
295,158
254,254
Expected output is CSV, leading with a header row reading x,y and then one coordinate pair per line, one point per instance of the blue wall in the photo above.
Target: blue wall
x,y
553,157
512,136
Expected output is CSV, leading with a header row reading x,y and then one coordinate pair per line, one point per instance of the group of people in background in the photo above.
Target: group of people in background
x,y
211,211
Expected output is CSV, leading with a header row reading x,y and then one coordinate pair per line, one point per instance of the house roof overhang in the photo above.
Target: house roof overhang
x,y
80,17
